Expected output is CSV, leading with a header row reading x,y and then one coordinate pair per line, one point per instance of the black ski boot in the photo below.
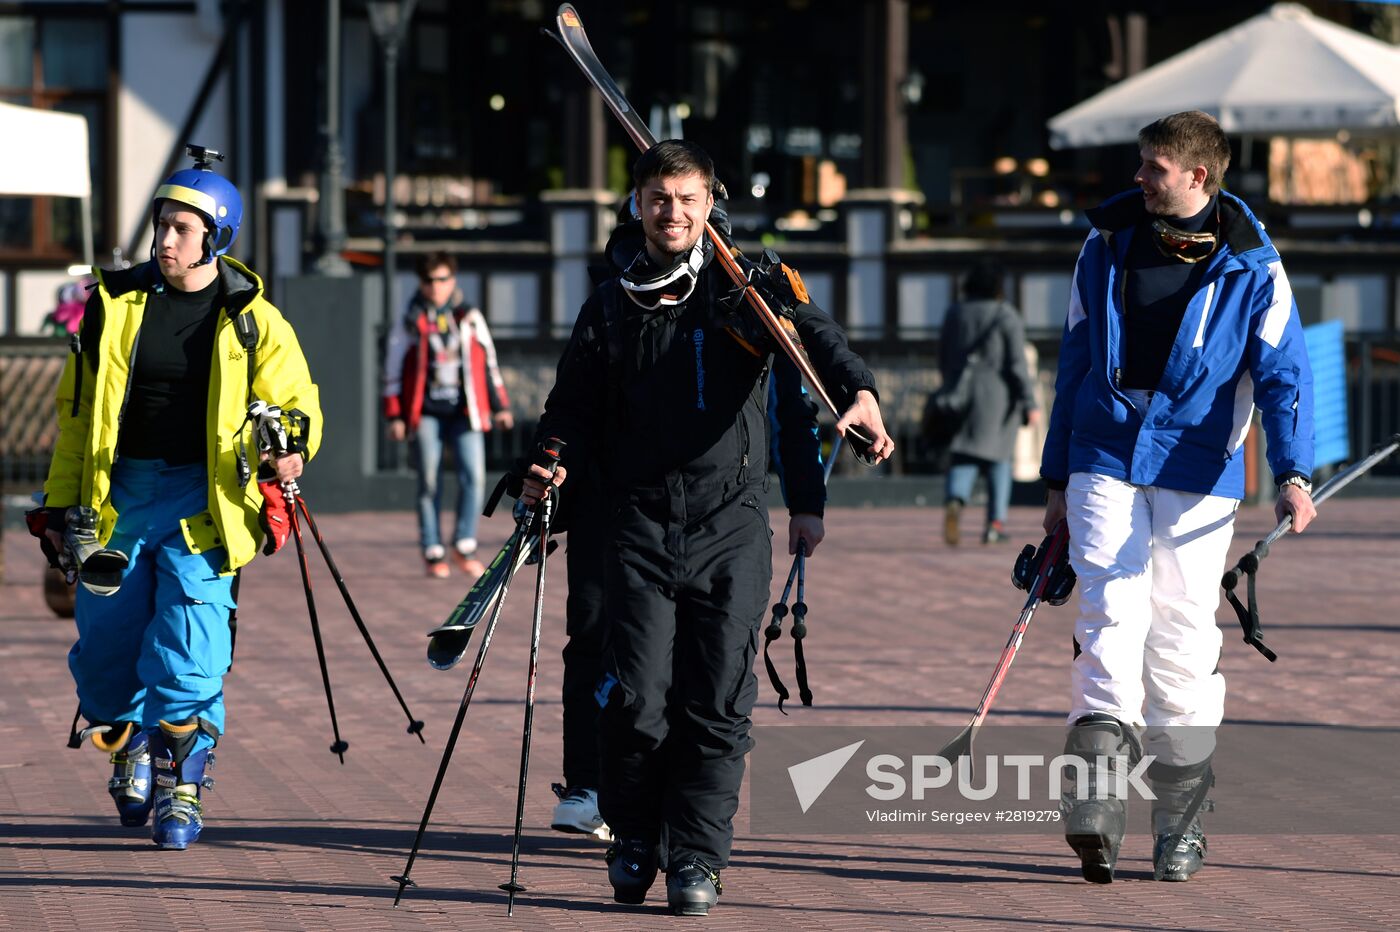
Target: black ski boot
x,y
692,888
631,869
1096,812
1176,789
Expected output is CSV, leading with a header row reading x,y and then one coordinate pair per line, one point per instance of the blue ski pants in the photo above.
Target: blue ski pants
x,y
159,647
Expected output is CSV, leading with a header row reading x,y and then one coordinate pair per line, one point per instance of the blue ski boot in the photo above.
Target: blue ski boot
x,y
179,770
130,786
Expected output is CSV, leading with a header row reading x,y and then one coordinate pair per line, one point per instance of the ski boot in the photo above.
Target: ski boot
x,y
180,776
1095,805
130,786
693,888
1175,788
577,812
631,869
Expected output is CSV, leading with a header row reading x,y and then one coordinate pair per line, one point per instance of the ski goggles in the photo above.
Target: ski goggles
x,y
651,289
1181,245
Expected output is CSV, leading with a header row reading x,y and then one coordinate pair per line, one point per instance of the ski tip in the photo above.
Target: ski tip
x,y
450,629
568,16
961,746
445,657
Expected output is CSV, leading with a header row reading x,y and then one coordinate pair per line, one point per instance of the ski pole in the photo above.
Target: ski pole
x,y
774,630
415,726
404,879
1046,575
1248,565
799,625
550,450
525,518
290,491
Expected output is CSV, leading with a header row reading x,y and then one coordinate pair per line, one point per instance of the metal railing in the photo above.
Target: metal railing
x,y
30,369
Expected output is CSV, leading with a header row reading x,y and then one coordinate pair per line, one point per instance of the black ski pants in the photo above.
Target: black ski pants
x,y
687,585
585,624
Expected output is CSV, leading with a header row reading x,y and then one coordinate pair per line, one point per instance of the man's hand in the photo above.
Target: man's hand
x,y
536,483
1032,417
1294,501
806,528
1054,509
398,428
503,420
288,466
864,415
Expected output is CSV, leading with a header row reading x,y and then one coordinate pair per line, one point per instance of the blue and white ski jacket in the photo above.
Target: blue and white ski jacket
x,y
1240,345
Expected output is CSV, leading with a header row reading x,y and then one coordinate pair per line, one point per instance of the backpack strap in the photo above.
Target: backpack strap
x,y
245,326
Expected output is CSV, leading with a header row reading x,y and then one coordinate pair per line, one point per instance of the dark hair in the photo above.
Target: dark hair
x,y
432,260
983,282
670,159
1190,138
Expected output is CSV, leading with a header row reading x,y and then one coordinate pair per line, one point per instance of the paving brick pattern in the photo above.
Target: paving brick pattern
x,y
904,631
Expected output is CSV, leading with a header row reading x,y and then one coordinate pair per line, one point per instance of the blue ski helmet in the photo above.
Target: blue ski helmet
x,y
210,195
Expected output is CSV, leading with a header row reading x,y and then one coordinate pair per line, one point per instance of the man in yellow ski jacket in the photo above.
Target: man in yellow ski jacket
x,y
156,457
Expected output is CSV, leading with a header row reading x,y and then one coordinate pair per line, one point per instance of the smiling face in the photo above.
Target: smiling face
x,y
1168,188
674,210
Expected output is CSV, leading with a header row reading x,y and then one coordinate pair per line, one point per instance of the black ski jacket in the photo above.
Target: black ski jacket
x,y
683,399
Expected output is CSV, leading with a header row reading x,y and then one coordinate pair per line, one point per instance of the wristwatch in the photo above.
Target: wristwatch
x,y
1299,481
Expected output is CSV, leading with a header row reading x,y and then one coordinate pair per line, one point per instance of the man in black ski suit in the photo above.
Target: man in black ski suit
x,y
664,385
795,452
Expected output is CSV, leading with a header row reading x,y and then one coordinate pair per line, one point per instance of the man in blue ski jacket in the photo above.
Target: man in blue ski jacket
x,y
1181,323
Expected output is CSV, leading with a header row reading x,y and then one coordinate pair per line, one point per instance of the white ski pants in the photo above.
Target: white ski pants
x,y
1149,562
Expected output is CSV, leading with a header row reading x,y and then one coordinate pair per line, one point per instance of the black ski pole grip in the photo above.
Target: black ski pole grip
x,y
1247,566
549,452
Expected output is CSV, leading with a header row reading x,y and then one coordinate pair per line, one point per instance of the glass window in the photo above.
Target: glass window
x,y
16,51
75,55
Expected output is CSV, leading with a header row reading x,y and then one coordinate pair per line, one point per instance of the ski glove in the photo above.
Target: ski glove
x,y
41,519
275,517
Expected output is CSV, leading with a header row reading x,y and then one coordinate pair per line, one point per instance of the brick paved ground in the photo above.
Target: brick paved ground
x,y
297,841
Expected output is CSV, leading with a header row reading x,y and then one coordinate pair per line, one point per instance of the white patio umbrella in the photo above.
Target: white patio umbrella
x,y
1284,72
46,152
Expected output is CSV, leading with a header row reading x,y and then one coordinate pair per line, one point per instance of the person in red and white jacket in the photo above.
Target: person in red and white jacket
x,y
442,387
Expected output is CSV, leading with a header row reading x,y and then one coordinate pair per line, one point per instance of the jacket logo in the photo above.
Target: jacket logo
x,y
235,355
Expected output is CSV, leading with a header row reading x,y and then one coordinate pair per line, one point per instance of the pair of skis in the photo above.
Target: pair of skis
x,y
575,41
448,642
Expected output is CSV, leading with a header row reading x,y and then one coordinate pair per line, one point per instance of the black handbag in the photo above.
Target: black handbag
x,y
949,404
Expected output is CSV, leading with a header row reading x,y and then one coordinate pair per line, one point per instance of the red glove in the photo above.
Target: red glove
x,y
275,517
